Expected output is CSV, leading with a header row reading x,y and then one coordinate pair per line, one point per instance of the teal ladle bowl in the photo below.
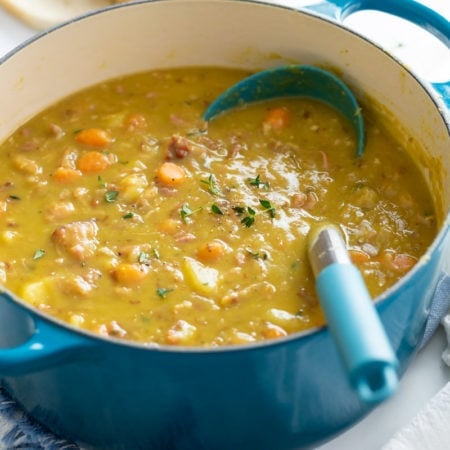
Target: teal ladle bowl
x,y
293,81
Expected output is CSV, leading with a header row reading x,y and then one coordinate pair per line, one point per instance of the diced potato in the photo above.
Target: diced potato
x,y
239,337
180,333
133,186
37,292
76,320
366,197
106,259
254,290
283,319
201,278
3,276
8,236
26,165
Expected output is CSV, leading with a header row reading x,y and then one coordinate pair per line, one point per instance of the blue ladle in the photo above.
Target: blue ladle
x,y
356,328
293,81
353,321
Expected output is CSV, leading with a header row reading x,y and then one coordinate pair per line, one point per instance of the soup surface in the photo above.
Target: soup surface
x,y
123,213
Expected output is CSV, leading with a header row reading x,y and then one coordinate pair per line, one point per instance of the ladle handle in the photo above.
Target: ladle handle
x,y
358,332
353,321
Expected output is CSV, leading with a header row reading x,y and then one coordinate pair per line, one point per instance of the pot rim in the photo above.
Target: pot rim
x,y
439,239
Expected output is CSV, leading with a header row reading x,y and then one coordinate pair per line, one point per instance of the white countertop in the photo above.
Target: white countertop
x,y
427,374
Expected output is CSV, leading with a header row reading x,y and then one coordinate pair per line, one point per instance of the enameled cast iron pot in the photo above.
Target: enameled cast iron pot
x,y
286,394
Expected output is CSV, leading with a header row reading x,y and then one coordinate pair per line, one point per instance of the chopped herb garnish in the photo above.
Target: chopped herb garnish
x,y
156,254
257,182
128,215
257,255
38,254
196,132
216,210
14,197
143,258
239,210
212,185
186,211
268,207
111,196
101,182
249,219
162,292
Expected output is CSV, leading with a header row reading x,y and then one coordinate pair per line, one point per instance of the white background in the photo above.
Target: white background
x,y
430,59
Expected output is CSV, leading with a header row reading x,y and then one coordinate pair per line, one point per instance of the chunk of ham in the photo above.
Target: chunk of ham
x,y
178,147
78,239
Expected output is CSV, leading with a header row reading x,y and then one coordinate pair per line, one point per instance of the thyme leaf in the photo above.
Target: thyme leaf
x,y
101,182
186,211
239,210
268,207
257,182
249,219
257,255
162,292
211,182
111,196
143,258
38,254
216,210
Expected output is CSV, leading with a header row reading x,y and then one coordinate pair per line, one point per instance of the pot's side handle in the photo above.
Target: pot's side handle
x,y
48,346
443,90
410,10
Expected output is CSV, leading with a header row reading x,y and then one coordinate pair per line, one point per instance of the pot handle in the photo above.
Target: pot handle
x,y
48,346
410,10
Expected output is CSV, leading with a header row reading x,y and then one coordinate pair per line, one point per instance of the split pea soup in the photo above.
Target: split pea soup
x,y
124,214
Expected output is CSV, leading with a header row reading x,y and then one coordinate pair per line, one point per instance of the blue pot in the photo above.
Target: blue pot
x,y
289,393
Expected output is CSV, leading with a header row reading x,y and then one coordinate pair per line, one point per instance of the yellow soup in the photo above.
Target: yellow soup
x,y
123,213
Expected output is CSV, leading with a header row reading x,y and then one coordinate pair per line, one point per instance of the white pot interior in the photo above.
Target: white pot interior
x,y
144,36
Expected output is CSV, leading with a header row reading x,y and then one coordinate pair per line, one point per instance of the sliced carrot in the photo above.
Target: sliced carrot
x,y
170,174
400,262
211,251
276,119
94,137
127,274
404,262
66,175
358,256
169,226
273,332
134,121
93,162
